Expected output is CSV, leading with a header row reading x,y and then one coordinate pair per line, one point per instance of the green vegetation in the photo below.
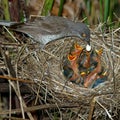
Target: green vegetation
x,y
93,12
47,7
6,9
61,7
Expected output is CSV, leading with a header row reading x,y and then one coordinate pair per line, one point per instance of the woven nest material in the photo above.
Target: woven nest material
x,y
44,68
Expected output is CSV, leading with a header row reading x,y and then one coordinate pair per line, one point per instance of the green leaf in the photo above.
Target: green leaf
x,y
6,9
107,9
47,7
61,7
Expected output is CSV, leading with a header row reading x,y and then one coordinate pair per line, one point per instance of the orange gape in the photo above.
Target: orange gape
x,y
78,50
74,65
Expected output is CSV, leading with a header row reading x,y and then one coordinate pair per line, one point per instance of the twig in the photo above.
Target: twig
x,y
82,118
10,99
18,88
50,54
16,79
13,118
91,109
40,107
116,30
103,108
13,84
113,66
10,33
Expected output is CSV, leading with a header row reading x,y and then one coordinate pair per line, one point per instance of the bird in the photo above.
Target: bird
x,y
101,77
94,74
70,68
74,65
86,64
50,28
84,61
99,52
99,80
77,50
9,23
68,72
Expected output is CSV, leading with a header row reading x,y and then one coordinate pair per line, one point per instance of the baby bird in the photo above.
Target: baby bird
x,y
84,61
74,65
94,75
100,79
77,50
68,71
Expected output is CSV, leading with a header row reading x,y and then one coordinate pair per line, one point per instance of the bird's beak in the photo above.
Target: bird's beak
x,y
72,57
88,42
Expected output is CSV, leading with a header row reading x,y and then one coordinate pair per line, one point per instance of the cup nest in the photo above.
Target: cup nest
x,y
44,68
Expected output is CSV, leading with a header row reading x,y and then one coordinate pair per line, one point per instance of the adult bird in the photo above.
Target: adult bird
x,y
50,28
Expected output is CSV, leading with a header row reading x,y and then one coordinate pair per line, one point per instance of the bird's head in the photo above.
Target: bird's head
x,y
77,50
78,47
82,31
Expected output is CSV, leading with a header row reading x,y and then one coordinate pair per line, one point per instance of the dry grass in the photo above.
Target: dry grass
x,y
48,86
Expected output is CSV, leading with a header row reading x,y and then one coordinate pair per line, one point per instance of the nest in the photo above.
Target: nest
x,y
43,68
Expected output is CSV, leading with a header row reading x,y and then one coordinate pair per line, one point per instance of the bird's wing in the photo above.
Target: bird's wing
x,y
45,29
44,26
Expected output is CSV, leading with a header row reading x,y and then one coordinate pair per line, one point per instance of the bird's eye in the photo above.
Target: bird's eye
x,y
83,35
